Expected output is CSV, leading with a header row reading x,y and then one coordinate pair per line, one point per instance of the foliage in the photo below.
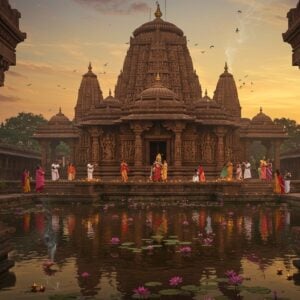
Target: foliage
x,y
293,130
19,130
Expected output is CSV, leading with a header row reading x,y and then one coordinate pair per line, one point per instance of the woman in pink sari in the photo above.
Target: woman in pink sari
x,y
39,179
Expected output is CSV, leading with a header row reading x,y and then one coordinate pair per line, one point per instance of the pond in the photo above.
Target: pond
x,y
165,251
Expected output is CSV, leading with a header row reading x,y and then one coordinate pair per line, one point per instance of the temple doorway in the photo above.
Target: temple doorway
x,y
158,147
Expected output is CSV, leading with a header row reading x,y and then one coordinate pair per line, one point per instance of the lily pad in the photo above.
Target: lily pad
x,y
170,292
258,290
153,284
190,288
157,246
154,296
157,237
127,244
185,243
171,241
173,237
221,297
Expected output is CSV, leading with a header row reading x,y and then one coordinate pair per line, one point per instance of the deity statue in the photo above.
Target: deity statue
x,y
158,158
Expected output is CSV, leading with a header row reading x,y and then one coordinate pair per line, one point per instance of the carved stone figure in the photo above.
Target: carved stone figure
x,y
108,146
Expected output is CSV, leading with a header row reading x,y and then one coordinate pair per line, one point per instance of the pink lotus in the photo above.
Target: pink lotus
x,y
234,278
207,242
48,264
175,281
85,275
185,223
142,292
150,247
185,250
115,241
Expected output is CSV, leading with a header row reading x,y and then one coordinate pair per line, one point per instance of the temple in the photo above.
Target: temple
x,y
292,35
10,37
158,107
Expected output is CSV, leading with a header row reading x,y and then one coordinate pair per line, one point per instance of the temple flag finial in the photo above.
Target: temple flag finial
x,y
59,111
205,92
158,13
226,67
109,92
261,110
90,67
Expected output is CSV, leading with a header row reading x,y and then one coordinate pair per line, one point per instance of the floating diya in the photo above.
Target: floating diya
x,y
289,277
34,288
42,288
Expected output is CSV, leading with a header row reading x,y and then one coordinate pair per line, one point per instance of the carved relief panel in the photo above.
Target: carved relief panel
x,y
108,147
208,147
127,150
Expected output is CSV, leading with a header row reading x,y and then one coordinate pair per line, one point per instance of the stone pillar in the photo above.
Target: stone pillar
x,y
178,151
247,146
95,145
277,145
138,148
220,133
44,151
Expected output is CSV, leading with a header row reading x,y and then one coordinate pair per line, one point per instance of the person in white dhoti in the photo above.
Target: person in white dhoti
x,y
54,171
90,171
247,172
287,181
196,176
208,228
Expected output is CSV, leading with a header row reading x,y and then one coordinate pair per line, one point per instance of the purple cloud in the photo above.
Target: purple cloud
x,y
121,7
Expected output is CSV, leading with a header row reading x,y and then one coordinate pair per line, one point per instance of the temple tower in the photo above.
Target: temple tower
x,y
158,47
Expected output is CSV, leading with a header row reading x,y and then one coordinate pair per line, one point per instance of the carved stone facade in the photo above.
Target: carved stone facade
x,y
10,37
158,108
292,36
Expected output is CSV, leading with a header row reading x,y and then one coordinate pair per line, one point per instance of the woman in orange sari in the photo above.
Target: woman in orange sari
x,y
124,171
279,183
71,171
201,174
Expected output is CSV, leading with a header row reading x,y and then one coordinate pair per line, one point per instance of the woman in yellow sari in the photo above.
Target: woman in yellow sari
x,y
229,171
26,181
278,183
164,172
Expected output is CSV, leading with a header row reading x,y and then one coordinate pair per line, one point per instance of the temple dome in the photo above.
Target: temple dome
x,y
262,119
158,24
157,91
226,94
59,119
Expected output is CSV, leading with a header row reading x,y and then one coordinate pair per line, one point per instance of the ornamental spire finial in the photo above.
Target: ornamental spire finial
x,y
226,67
158,13
205,92
261,110
90,67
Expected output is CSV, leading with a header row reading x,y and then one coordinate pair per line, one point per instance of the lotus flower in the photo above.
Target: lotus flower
x,y
175,281
85,275
207,242
150,247
234,278
185,250
142,292
115,241
185,223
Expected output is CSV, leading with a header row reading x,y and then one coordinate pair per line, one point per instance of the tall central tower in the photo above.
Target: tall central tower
x,y
158,47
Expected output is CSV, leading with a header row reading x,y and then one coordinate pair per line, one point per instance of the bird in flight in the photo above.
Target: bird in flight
x,y
127,43
237,30
105,65
74,71
252,83
203,52
246,76
58,85
29,84
211,46
239,11
196,44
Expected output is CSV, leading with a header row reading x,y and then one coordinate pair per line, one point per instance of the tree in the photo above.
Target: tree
x,y
19,130
293,130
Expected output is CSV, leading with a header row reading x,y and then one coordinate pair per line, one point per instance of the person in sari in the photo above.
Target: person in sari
x,y
239,172
201,174
39,179
247,171
196,176
54,171
269,171
90,171
156,173
26,181
124,171
263,169
229,171
164,171
71,171
223,174
278,183
287,181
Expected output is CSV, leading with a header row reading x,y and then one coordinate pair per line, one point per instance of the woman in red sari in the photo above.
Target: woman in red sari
x,y
279,183
201,174
124,171
39,179
156,173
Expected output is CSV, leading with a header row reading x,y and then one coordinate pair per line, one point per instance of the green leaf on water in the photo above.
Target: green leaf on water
x,y
170,292
171,241
157,237
153,283
127,244
173,237
185,243
190,288
258,290
154,296
157,246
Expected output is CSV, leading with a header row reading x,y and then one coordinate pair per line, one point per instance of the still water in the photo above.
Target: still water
x,y
105,252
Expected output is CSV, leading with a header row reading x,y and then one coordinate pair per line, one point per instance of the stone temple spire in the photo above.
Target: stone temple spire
x,y
89,94
226,94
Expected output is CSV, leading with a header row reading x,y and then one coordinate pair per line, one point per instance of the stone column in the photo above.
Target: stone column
x,y
220,133
178,151
95,145
138,148
276,145
44,151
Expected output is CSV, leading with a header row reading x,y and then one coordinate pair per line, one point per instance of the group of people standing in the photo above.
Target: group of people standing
x,y
242,171
159,170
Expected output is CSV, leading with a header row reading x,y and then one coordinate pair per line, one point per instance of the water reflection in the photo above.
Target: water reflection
x,y
77,238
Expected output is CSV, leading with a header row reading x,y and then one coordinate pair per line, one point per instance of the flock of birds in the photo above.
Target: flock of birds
x,y
242,82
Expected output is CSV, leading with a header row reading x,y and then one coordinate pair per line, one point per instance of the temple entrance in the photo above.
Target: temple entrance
x,y
158,147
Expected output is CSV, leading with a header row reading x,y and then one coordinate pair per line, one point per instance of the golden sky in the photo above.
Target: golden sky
x,y
64,35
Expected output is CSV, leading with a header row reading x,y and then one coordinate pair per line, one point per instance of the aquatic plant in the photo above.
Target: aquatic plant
x,y
115,241
141,292
175,281
185,250
234,278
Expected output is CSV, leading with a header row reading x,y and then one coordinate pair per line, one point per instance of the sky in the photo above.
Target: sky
x,y
63,36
